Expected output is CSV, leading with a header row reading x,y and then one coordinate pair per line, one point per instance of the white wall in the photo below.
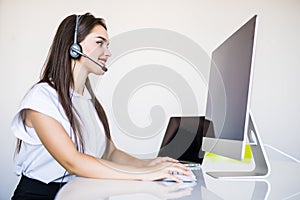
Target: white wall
x,y
27,28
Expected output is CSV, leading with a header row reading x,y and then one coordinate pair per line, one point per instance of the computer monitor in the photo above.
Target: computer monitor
x,y
228,99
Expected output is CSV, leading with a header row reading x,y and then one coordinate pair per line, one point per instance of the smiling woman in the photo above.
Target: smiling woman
x,y
61,127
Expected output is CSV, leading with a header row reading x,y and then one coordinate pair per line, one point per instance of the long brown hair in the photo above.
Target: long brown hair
x,y
57,71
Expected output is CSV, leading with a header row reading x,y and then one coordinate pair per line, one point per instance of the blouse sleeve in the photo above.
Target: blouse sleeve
x,y
41,98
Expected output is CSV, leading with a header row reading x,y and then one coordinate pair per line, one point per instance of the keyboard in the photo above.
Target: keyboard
x,y
182,177
193,166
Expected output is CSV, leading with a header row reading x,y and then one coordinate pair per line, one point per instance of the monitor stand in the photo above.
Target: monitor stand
x,y
261,168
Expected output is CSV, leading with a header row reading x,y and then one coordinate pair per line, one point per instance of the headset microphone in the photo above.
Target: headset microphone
x,y
86,56
76,50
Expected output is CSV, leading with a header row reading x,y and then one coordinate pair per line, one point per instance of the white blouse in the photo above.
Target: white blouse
x,y
33,160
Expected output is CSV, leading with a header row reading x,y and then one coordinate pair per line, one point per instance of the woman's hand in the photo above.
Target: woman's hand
x,y
162,168
159,160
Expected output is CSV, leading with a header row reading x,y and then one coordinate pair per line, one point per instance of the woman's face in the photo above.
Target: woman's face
x,y
95,45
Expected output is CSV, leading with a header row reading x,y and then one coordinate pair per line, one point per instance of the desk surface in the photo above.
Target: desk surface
x,y
282,183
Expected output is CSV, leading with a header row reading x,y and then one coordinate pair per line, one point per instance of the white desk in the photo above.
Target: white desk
x,y
282,183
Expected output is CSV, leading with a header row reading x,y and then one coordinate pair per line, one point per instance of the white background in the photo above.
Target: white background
x,y
27,29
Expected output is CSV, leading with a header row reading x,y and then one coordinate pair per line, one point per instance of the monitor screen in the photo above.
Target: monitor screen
x,y
228,96
183,139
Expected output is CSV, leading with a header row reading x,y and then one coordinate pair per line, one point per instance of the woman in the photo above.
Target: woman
x,y
61,127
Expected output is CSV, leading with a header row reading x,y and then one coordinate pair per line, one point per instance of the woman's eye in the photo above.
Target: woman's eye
x,y
100,43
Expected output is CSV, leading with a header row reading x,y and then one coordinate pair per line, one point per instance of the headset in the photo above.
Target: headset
x,y
76,50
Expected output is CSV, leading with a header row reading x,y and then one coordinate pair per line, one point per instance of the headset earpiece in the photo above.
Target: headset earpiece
x,y
75,49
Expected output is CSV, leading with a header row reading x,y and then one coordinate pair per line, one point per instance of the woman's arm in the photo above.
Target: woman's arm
x,y
115,155
60,146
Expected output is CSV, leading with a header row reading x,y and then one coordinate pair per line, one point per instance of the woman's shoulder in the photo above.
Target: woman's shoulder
x,y
43,87
42,98
39,93
42,90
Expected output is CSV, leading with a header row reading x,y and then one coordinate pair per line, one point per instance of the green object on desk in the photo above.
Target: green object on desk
x,y
216,157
